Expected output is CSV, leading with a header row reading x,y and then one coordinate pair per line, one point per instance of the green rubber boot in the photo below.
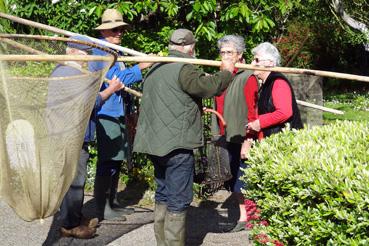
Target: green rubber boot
x,y
159,219
175,228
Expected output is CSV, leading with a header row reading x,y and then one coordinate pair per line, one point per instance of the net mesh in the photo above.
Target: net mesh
x,y
43,118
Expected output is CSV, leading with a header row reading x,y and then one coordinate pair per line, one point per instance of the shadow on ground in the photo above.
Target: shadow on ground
x,y
108,231
211,216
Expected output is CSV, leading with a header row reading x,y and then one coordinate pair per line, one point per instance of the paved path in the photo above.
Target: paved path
x,y
206,223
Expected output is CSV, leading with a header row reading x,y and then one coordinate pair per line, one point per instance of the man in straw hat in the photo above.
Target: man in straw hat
x,y
74,224
111,134
174,92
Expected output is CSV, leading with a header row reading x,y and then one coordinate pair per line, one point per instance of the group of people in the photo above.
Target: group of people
x,y
255,104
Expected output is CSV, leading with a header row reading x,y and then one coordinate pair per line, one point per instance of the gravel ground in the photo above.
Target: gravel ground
x,y
206,222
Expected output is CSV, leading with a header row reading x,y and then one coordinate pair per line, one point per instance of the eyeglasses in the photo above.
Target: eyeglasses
x,y
257,60
117,29
228,53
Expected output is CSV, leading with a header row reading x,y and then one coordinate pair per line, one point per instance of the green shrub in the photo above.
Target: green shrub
x,y
312,185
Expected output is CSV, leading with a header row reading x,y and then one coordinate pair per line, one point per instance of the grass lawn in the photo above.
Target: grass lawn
x,y
355,106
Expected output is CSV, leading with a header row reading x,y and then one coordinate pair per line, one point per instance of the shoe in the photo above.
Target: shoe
x,y
235,227
240,226
123,210
92,223
81,232
103,208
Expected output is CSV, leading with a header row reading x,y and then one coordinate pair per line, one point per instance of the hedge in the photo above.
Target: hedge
x,y
312,185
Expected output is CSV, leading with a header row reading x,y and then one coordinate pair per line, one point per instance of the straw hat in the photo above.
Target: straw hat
x,y
110,19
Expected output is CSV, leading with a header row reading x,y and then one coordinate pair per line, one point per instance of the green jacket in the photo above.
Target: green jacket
x,y
235,108
170,110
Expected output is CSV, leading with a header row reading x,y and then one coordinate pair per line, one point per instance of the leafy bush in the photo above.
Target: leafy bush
x,y
312,185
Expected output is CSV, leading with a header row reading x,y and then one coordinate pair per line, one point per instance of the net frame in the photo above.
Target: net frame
x,y
40,56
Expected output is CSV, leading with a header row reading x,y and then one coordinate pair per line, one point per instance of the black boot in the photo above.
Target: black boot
x,y
114,204
102,191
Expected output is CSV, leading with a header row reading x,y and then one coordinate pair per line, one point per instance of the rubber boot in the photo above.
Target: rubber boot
x,y
159,218
103,209
175,228
114,204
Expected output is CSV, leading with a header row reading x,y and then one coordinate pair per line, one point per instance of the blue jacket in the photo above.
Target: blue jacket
x,y
113,107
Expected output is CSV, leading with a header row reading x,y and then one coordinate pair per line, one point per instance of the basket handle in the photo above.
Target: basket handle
x,y
220,117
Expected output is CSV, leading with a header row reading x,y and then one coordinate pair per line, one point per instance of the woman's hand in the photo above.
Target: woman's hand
x,y
245,148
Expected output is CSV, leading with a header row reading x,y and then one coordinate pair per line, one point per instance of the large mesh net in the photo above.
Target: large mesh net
x,y
46,99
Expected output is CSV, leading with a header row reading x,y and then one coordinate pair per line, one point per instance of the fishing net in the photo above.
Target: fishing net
x,y
43,118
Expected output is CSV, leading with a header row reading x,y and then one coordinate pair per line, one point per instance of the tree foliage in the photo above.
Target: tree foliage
x,y
308,32
152,21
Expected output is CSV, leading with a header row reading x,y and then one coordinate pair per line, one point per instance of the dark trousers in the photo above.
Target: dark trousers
x,y
235,184
71,207
174,178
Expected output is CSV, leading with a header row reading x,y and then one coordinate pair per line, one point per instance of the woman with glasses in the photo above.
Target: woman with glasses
x,y
277,104
238,106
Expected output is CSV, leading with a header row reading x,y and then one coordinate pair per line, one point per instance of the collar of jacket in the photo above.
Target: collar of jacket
x,y
177,53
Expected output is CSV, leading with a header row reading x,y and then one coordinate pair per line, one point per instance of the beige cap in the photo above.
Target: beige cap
x,y
110,19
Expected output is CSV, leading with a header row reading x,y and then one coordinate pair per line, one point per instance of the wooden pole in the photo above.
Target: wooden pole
x,y
34,51
144,58
99,58
311,105
55,58
68,33
245,66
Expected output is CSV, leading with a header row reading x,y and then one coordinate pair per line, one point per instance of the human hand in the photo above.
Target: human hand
x,y
245,148
115,84
143,65
255,126
227,65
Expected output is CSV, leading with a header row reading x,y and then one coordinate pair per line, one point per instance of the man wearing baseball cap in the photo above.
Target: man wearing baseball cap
x,y
170,127
111,134
74,224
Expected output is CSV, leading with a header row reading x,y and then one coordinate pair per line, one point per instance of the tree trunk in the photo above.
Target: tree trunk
x,y
360,26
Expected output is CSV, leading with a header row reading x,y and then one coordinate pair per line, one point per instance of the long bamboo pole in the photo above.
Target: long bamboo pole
x,y
54,58
68,33
34,51
245,66
193,61
311,105
144,58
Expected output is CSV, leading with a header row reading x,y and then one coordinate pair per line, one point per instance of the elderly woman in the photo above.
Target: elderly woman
x,y
238,106
276,104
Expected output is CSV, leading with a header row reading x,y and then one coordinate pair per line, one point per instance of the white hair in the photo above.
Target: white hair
x,y
268,51
182,48
237,41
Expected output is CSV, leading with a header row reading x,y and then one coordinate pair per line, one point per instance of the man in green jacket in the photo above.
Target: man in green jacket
x,y
170,127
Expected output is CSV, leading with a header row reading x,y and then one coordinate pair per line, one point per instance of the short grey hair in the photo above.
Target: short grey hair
x,y
182,48
268,51
237,41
